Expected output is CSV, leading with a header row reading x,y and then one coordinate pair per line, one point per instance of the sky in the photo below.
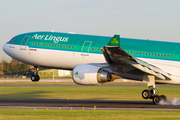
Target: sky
x,y
141,19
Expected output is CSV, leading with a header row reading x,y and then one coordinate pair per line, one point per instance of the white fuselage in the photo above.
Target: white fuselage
x,y
51,58
68,59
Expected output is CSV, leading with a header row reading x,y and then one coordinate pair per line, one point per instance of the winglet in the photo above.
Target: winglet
x,y
114,41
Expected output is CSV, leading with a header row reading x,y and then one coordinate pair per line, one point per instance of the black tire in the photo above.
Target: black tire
x,y
33,78
146,94
164,98
157,98
37,78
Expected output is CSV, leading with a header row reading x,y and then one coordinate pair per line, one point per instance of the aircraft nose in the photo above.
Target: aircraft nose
x,y
8,49
4,48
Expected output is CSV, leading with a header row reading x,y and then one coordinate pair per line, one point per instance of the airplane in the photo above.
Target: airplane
x,y
95,60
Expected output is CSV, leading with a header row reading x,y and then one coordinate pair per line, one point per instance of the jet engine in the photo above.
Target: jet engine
x,y
85,74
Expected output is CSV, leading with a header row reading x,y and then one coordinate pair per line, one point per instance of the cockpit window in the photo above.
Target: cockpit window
x,y
12,40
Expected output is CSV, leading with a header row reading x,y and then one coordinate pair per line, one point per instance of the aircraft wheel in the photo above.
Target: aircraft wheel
x,y
37,78
164,97
33,78
146,94
157,98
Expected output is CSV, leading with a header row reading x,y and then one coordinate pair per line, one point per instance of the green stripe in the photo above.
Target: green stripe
x,y
135,45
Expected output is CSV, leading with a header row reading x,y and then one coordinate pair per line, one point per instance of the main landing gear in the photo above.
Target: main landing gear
x,y
35,77
149,94
152,93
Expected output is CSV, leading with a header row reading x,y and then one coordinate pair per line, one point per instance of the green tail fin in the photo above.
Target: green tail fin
x,y
114,41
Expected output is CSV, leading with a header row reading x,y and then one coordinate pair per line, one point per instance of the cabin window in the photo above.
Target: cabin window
x,y
158,54
155,54
161,55
133,52
63,45
69,46
145,53
32,43
136,52
72,47
164,55
44,44
41,44
98,49
57,45
66,46
139,52
92,48
54,45
170,55
152,54
38,43
148,53
35,43
60,45
167,55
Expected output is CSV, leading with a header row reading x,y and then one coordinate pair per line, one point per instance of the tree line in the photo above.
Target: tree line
x,y
14,66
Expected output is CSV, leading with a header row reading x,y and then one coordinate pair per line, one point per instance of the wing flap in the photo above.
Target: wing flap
x,y
114,54
145,69
152,67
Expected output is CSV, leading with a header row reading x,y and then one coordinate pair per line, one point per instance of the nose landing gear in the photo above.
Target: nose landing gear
x,y
35,77
152,93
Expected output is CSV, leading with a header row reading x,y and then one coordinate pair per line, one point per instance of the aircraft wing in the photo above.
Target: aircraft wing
x,y
115,55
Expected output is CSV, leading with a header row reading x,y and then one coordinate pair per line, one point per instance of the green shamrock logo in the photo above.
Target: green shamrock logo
x,y
76,73
114,41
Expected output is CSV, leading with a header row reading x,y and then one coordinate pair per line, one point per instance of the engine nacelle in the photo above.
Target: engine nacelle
x,y
85,74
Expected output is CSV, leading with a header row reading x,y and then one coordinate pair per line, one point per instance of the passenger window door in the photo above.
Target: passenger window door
x,y
86,48
24,42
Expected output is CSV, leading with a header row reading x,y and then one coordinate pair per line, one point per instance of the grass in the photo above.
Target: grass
x,y
81,92
78,93
18,114
37,83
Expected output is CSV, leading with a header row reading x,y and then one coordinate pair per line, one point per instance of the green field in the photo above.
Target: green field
x,y
87,115
82,93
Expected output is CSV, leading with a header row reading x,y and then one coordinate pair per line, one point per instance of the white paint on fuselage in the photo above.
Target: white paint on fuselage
x,y
51,58
69,59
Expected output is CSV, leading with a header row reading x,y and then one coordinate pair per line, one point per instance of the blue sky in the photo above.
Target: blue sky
x,y
142,19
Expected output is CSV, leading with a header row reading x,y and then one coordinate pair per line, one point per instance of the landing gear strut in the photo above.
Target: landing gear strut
x,y
35,77
152,93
